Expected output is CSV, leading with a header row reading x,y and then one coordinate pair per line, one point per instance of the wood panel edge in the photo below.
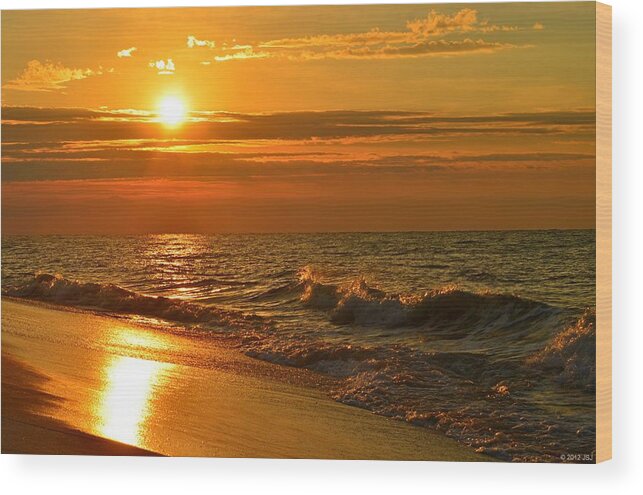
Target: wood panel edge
x,y
603,232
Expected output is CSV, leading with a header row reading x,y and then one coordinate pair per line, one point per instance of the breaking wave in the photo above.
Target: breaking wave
x,y
475,396
571,354
448,313
109,297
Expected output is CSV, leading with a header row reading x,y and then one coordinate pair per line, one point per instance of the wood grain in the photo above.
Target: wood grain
x,y
603,232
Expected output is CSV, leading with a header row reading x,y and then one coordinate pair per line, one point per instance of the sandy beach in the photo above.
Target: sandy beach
x,y
78,383
26,431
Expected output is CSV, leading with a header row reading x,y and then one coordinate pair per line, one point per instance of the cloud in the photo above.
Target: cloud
x,y
246,53
321,119
48,76
372,37
422,49
126,53
158,157
163,67
42,144
422,38
236,47
194,42
435,23
32,124
45,115
538,26
369,50
464,21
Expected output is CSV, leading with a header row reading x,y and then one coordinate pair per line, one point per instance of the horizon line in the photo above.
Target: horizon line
x,y
141,234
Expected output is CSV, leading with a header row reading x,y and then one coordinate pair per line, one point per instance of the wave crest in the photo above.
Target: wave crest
x,y
572,353
110,297
455,311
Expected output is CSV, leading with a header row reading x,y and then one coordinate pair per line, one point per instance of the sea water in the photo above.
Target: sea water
x,y
488,337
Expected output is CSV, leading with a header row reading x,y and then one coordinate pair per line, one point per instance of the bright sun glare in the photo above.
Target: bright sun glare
x,y
171,111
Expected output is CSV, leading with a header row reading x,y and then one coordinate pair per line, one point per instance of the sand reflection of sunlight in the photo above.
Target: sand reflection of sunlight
x,y
128,398
130,385
137,340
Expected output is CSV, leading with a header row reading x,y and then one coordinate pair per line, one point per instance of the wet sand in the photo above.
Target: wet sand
x,y
27,429
78,383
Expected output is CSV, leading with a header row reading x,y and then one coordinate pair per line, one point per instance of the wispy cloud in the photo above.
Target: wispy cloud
x,y
98,166
245,53
421,49
434,24
373,51
194,42
49,76
22,124
371,37
127,52
163,67
422,38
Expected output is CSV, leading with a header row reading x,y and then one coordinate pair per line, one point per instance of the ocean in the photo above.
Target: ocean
x,y
487,337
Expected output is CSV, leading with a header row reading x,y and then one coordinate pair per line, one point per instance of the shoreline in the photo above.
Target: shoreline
x,y
196,397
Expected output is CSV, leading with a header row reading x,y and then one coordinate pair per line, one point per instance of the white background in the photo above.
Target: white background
x,y
53,475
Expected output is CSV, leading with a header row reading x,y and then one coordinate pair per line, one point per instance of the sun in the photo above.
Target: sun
x,y
171,111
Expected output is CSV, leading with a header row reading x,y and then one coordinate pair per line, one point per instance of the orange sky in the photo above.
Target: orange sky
x,y
407,117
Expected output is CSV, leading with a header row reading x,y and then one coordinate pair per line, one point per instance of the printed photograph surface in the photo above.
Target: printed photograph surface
x,y
340,232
